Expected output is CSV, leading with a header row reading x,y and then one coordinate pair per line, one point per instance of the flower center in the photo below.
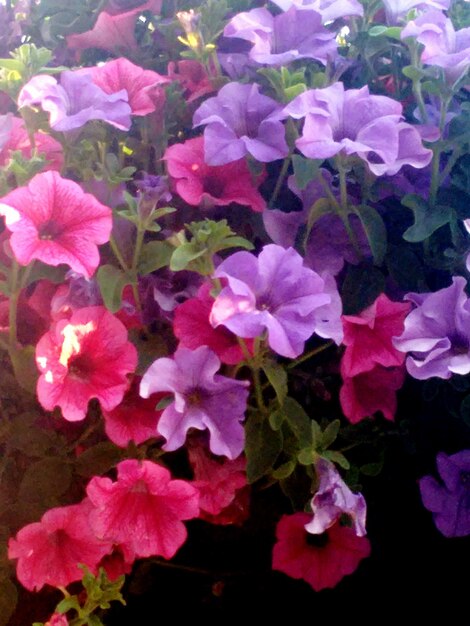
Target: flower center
x,y
195,397
80,367
49,230
214,186
317,541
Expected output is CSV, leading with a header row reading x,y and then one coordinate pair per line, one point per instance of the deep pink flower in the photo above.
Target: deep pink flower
x,y
193,77
143,509
49,551
112,31
118,563
368,336
192,327
142,86
46,145
84,357
54,221
134,419
321,560
375,390
208,186
218,482
57,620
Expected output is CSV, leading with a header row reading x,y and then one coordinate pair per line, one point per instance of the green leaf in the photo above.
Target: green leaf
x,y
316,434
67,604
235,242
277,377
394,32
262,447
305,170
111,281
337,457
284,470
320,208
24,367
184,254
306,456
98,459
371,469
330,433
375,230
361,286
413,73
298,421
45,481
8,600
292,92
427,219
154,256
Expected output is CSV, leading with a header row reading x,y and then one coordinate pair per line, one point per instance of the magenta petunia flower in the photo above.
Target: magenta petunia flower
x,y
50,551
75,101
330,10
443,45
273,293
203,399
436,334
143,509
142,86
240,121
368,336
334,499
84,357
193,78
292,35
54,221
321,560
450,501
356,122
395,10
208,186
57,619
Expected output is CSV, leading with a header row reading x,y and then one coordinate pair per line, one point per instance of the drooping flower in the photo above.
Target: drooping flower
x,y
334,499
208,186
143,509
240,120
45,145
367,393
54,221
292,35
395,10
449,502
141,85
356,122
75,101
443,45
368,336
330,10
134,419
119,562
273,292
203,400
192,328
114,28
84,357
76,292
321,560
437,333
50,551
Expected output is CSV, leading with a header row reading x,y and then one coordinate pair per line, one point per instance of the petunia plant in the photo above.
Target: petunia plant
x,y
234,302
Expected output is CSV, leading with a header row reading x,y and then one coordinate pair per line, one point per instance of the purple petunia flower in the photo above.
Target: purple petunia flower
x,y
75,101
240,120
330,10
437,333
281,39
6,126
333,499
356,122
203,400
273,293
395,10
443,45
450,502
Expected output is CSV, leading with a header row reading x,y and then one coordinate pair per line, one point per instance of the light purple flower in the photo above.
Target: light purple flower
x,y
203,399
395,10
330,10
443,45
450,502
333,499
6,125
281,39
240,120
356,122
75,101
437,333
273,293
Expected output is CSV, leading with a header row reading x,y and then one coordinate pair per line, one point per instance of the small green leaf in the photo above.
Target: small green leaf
x,y
154,256
337,457
306,456
68,604
375,230
305,170
284,470
413,73
262,447
293,91
24,367
235,242
330,433
112,281
276,419
184,254
298,421
277,377
98,459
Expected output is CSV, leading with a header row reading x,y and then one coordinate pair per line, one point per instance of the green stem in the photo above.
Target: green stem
x,y
436,159
280,179
310,354
135,262
344,211
253,364
117,253
416,82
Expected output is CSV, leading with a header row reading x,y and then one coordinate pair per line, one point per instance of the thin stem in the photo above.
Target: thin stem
x,y
436,159
280,179
310,354
344,211
135,262
117,253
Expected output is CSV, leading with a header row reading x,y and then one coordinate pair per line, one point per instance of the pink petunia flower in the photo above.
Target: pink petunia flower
x,y
118,563
49,551
84,357
54,221
375,390
321,560
208,186
46,145
112,31
142,86
143,510
192,327
368,336
57,620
